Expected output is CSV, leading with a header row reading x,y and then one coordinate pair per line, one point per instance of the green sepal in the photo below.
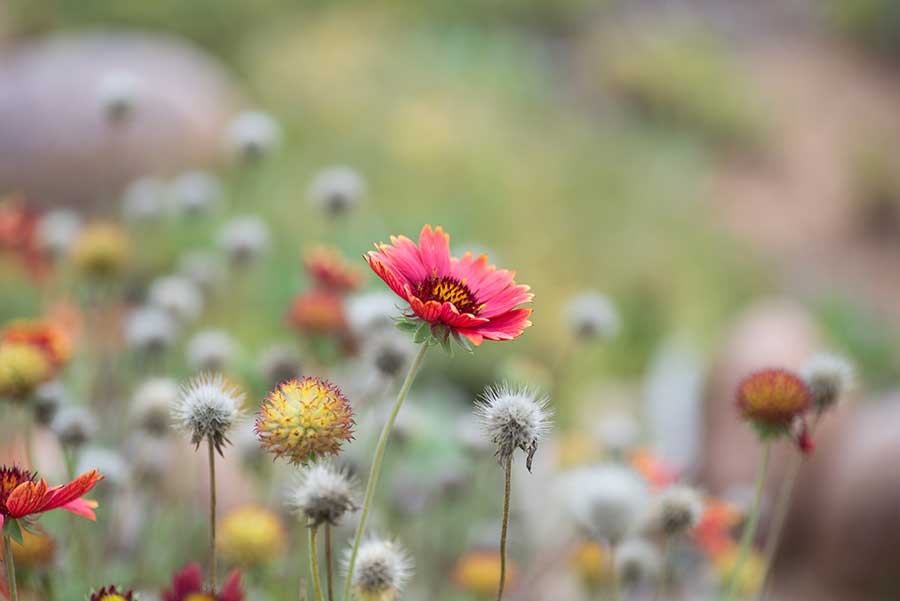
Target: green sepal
x,y
463,342
423,333
769,431
13,530
405,324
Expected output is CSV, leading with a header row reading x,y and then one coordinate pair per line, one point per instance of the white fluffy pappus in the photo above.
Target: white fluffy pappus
x,y
514,418
208,407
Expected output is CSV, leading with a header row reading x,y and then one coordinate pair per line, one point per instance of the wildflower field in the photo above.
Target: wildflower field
x,y
449,301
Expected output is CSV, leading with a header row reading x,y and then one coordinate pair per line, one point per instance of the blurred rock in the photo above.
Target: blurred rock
x,y
59,147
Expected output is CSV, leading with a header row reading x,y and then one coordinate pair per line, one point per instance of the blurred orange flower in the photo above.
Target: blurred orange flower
x,y
478,572
48,337
330,271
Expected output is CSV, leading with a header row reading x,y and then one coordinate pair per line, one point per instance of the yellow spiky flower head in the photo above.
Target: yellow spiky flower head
x,y
251,535
101,251
303,419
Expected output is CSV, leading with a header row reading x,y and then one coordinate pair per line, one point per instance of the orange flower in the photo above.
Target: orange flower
x,y
772,399
331,271
318,312
17,233
713,533
22,495
657,472
51,339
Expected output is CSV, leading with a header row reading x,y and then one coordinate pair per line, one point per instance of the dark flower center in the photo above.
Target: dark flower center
x,y
449,290
10,478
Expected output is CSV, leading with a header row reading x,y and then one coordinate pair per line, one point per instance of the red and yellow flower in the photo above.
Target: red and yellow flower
x,y
773,399
318,312
468,297
45,335
303,419
187,585
331,271
111,593
22,495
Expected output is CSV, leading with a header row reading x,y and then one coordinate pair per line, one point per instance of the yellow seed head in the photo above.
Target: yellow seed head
x,y
251,536
23,368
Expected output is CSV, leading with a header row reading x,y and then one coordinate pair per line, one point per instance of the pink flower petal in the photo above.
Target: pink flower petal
x,y
82,507
434,251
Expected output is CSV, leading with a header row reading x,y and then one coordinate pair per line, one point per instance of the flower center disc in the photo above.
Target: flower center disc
x,y
448,290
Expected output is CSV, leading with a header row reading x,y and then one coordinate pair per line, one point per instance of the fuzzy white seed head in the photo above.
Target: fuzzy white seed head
x,y
108,462
382,570
56,231
638,562
178,296
196,193
74,426
829,377
591,316
324,494
150,330
47,400
389,352
514,418
118,93
207,407
618,432
607,501
372,311
211,350
204,269
244,239
279,363
677,510
144,200
336,190
151,405
252,135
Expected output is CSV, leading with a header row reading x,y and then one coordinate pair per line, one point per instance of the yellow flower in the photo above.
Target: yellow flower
x,y
251,535
478,572
575,449
23,368
591,562
37,550
101,251
751,577
303,419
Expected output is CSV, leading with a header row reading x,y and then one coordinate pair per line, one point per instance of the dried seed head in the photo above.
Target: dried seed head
x,y
244,239
150,330
252,135
279,363
74,426
607,501
150,409
196,193
56,231
382,570
370,312
389,352
678,509
144,200
47,400
211,350
178,296
111,463
204,268
337,190
591,316
637,562
513,418
207,407
828,377
324,494
118,93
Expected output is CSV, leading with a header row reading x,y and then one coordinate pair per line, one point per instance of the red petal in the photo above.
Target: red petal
x,y
77,488
506,326
434,251
27,498
232,589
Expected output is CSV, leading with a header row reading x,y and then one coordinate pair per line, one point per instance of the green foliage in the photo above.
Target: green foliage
x,y
874,23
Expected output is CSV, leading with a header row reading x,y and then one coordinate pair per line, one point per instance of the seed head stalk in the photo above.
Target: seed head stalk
x,y
752,523
504,530
329,562
376,464
212,514
314,561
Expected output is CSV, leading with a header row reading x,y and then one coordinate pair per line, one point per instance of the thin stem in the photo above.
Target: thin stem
x,y
504,529
752,522
314,562
328,562
662,591
212,514
376,464
614,573
10,569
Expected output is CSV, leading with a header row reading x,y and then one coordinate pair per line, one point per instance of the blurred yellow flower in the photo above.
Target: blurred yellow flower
x,y
251,535
478,572
23,368
591,561
101,250
751,577
576,448
36,551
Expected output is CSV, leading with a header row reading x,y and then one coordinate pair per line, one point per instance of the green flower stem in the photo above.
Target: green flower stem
x,y
752,522
504,530
329,561
212,515
616,593
314,561
10,569
376,464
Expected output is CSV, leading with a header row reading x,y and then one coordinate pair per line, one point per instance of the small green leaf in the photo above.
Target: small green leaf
x,y
463,342
407,325
12,529
423,333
